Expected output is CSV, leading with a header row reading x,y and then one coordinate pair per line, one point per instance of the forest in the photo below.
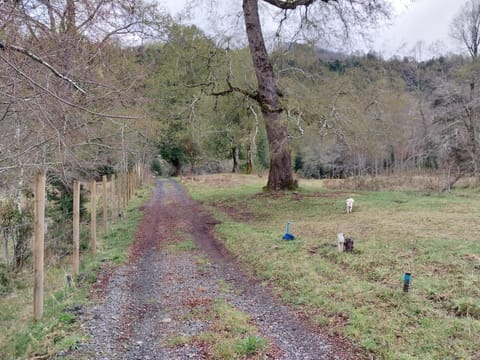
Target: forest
x,y
93,88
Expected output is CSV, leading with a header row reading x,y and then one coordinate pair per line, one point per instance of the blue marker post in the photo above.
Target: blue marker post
x,y
287,235
406,281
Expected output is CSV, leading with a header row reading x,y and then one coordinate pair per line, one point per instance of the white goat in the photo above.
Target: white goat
x,y
349,202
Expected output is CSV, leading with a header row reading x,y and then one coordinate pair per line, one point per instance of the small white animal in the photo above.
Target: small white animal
x,y
349,202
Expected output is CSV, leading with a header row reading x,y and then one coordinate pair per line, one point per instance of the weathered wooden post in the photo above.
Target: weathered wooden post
x,y
93,216
144,175
130,185
134,181
38,245
341,242
76,227
135,177
140,175
127,188
105,205
120,197
124,191
113,202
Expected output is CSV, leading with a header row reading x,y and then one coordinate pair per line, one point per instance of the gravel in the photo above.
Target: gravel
x,y
144,303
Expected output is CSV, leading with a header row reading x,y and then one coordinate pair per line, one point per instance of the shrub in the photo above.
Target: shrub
x,y
156,167
5,286
17,229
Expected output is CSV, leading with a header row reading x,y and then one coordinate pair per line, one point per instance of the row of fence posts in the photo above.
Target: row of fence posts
x,y
122,189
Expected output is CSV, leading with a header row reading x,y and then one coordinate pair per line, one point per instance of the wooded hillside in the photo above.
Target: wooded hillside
x,y
82,99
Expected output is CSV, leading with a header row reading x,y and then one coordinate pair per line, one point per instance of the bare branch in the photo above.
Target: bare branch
x,y
6,111
298,125
4,46
290,5
66,102
231,89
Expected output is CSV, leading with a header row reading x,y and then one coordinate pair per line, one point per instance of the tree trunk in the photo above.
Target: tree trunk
x,y
235,157
280,176
249,166
192,167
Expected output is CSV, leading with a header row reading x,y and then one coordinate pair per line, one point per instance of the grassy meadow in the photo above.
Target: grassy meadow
x,y
396,229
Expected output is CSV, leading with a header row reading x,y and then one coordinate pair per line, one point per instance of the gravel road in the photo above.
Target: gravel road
x,y
143,304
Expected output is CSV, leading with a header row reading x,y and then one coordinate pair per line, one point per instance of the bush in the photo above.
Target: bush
x,y
156,167
312,170
212,167
5,285
262,156
17,229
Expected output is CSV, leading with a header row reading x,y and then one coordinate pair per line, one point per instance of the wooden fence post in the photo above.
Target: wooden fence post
x,y
132,182
105,205
139,176
76,227
134,179
120,194
132,187
128,176
93,214
38,245
146,175
113,202
124,191
127,186
138,182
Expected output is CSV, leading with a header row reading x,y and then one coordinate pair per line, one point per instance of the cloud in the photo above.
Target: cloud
x,y
425,21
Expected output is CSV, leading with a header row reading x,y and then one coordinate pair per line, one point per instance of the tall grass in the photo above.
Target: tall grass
x,y
59,330
432,235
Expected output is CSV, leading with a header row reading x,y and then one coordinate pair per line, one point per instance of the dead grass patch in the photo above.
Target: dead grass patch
x,y
425,182
223,180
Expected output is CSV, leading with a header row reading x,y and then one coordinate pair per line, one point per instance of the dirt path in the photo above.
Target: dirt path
x,y
146,302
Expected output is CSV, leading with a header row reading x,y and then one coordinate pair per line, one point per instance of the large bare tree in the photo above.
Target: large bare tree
x,y
69,86
465,28
329,18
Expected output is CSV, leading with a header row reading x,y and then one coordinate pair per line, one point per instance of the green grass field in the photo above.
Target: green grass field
x,y
435,236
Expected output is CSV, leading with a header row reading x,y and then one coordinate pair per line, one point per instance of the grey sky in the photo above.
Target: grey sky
x,y
423,20
416,20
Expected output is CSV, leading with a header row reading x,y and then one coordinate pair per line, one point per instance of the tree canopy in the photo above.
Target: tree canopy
x,y
88,94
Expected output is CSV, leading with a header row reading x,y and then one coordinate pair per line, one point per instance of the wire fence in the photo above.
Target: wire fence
x,y
42,234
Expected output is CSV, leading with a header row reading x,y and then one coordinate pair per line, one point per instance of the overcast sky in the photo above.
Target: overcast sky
x,y
416,20
422,20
